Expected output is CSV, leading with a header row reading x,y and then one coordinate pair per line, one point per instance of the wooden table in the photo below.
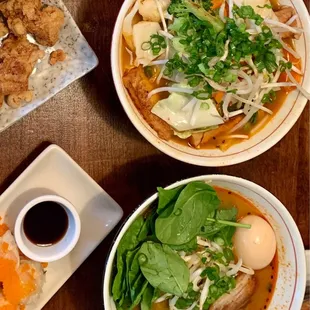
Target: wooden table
x,y
87,121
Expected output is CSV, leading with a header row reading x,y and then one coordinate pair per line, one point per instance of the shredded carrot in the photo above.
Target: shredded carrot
x,y
226,10
44,265
217,4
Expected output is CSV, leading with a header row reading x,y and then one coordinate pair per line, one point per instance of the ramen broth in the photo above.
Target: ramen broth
x,y
250,130
265,278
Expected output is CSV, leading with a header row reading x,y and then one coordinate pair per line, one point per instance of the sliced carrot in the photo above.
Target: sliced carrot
x,y
217,4
218,96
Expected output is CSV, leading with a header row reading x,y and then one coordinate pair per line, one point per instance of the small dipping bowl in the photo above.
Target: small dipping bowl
x,y
57,250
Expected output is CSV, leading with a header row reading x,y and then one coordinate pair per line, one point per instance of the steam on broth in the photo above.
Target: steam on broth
x,y
184,253
208,75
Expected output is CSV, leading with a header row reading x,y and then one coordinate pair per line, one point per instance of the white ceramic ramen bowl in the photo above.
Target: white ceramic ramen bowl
x,y
272,133
291,282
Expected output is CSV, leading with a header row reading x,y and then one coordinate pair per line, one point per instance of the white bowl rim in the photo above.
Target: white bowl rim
x,y
300,283
196,159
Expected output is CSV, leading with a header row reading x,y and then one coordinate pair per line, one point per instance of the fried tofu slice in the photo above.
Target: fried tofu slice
x,y
17,60
139,86
208,135
27,16
201,138
239,297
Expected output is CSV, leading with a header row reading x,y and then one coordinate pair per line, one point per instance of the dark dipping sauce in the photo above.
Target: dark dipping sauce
x,y
46,223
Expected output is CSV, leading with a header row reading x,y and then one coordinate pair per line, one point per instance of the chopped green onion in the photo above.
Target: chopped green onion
x,y
269,97
156,44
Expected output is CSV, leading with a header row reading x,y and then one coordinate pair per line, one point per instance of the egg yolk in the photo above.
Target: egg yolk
x,y
255,246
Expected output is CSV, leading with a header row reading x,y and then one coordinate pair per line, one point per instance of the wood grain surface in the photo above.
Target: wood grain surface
x,y
88,122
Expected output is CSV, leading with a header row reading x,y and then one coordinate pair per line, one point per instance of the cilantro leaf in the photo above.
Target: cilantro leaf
x,y
246,11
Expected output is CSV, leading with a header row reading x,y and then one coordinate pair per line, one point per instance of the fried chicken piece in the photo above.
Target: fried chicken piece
x,y
3,29
57,56
1,100
17,60
16,100
239,297
47,26
17,27
139,86
44,22
20,9
284,14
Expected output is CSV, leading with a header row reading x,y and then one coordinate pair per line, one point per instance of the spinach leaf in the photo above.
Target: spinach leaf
x,y
133,271
151,218
163,268
226,234
147,297
210,229
145,229
138,290
129,241
188,247
227,214
196,201
166,196
166,212
190,297
156,295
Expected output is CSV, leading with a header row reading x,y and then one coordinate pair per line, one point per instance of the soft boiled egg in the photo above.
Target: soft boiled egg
x,y
255,246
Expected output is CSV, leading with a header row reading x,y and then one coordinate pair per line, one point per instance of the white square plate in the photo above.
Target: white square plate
x,y
48,80
55,172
